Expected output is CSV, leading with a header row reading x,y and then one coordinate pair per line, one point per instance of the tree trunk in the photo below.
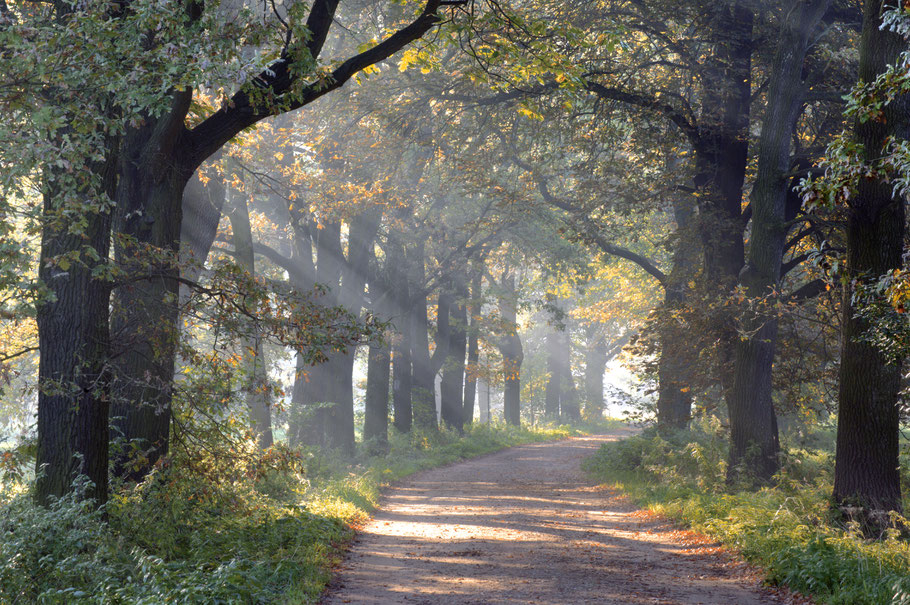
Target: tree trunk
x,y
256,375
555,372
423,391
339,417
677,353
568,400
73,339
754,445
866,465
353,270
470,378
595,366
202,206
674,399
453,371
376,408
512,354
401,352
483,400
300,418
144,313
724,145
720,158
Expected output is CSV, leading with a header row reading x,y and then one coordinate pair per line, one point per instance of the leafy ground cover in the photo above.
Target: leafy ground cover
x,y
223,529
790,529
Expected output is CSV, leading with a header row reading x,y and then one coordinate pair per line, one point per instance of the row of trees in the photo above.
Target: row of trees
x,y
430,218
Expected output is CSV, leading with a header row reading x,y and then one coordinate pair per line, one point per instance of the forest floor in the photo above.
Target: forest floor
x,y
526,525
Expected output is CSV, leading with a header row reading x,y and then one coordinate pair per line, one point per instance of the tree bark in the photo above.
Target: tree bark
x,y
866,465
595,366
453,370
202,206
74,345
376,412
423,397
754,444
512,353
483,401
147,225
568,401
677,354
401,351
353,270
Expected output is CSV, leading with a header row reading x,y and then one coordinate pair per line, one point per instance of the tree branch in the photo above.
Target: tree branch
x,y
591,232
242,111
687,126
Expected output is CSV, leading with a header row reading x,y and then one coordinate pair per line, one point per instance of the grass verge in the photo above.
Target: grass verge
x,y
788,530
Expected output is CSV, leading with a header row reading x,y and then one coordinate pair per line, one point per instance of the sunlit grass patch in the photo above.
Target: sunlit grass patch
x,y
788,529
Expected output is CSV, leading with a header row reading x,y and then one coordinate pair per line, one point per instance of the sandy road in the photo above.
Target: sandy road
x,y
526,526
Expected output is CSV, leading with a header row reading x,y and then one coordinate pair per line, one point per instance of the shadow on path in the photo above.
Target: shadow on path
x,y
526,526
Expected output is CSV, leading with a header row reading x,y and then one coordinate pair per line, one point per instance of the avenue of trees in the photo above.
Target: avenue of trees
x,y
308,226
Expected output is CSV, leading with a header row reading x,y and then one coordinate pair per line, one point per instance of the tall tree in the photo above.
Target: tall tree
x,y
866,466
256,389
160,156
754,440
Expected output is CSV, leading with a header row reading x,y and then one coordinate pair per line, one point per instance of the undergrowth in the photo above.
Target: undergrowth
x,y
789,530
216,529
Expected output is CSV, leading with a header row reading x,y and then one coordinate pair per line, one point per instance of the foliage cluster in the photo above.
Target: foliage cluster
x,y
264,529
789,529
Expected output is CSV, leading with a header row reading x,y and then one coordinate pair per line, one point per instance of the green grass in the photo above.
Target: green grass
x,y
237,533
788,530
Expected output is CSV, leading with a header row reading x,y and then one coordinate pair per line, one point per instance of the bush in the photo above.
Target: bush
x,y
681,458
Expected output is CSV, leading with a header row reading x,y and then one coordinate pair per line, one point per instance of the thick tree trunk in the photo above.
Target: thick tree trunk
x,y
73,339
202,206
315,392
327,416
674,399
144,313
401,351
512,358
470,378
402,378
255,388
595,366
866,468
300,429
512,354
376,407
306,425
724,141
339,418
720,158
423,391
754,444
677,353
568,401
453,371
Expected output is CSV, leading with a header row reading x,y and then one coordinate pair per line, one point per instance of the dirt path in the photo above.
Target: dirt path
x,y
525,526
